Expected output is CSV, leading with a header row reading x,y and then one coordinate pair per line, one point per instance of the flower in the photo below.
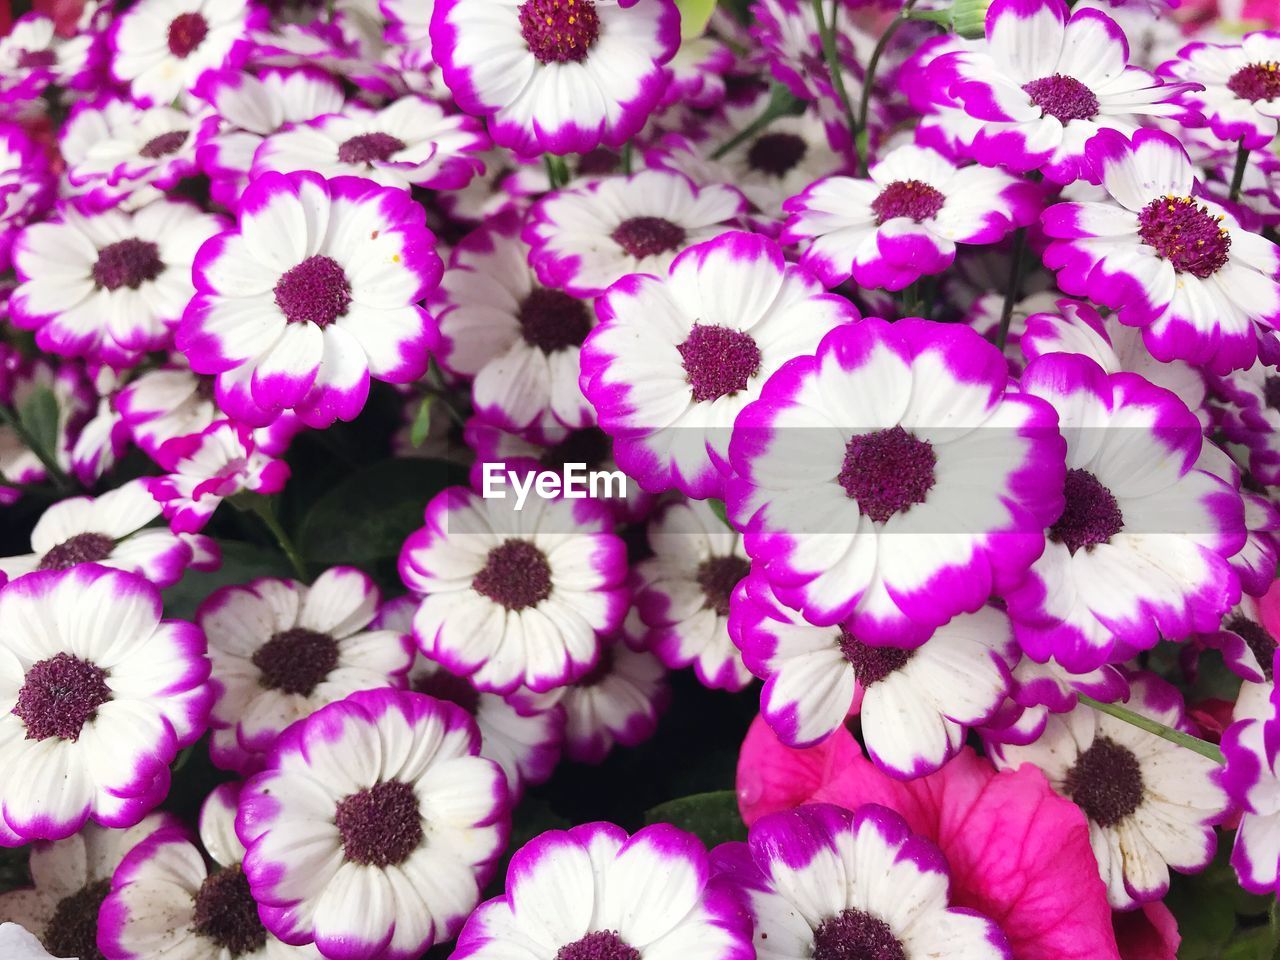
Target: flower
x,y
205,468
823,882
110,284
586,237
159,48
515,598
26,184
1037,690
18,943
594,892
1251,777
1234,85
281,650
894,480
111,530
97,696
1178,266
374,827
556,76
1140,550
1245,641
1151,804
1045,82
683,591
518,339
71,878
915,705
676,358
905,221
24,381
166,898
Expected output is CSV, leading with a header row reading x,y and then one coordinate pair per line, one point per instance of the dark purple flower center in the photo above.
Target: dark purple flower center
x,y
369,148
186,32
72,931
1257,81
59,696
1271,392
1091,516
600,945
37,59
227,914
1106,782
163,145
380,826
296,661
590,445
648,236
777,154
1186,234
718,362
559,31
1261,643
127,263
449,687
516,575
552,320
907,198
887,472
598,162
82,548
1063,97
717,576
871,664
855,935
315,291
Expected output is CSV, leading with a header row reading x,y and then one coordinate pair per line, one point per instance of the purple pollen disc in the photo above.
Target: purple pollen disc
x,y
369,148
777,154
1092,515
72,931
227,914
856,935
315,291
1257,81
381,825
1106,782
717,576
1259,641
718,362
559,31
127,263
887,472
600,945
552,320
59,696
164,144
516,575
872,664
914,199
296,661
1063,97
648,236
1186,234
450,688
1271,392
186,32
82,548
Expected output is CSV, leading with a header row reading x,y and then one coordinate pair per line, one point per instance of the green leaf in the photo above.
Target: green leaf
x,y
717,507
422,421
713,817
1254,943
241,562
39,417
694,15
365,518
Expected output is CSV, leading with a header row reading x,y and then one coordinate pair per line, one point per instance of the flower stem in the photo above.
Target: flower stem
x,y
557,170
46,457
1015,284
1202,747
830,52
265,510
1237,176
781,103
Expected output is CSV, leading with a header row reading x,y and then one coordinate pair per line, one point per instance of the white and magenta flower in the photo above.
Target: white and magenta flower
x,y
905,220
586,237
282,650
159,48
111,530
683,593
915,704
1151,804
820,881
26,184
1251,777
676,357
1046,81
315,292
375,826
1174,263
1037,690
894,480
556,76
1236,86
97,696
594,893
109,284
515,598
1140,550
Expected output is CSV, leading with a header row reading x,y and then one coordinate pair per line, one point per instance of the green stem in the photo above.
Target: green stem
x,y
627,160
55,472
864,105
265,510
1202,747
830,52
781,103
1237,176
557,170
1015,284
